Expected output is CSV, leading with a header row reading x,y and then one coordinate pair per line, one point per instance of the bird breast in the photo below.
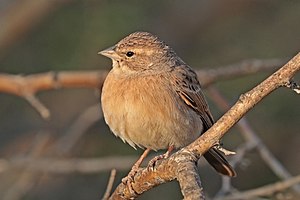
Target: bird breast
x,y
147,112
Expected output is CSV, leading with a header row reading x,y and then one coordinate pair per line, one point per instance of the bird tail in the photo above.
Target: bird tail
x,y
217,161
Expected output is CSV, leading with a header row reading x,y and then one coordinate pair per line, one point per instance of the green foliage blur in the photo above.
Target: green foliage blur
x,y
204,33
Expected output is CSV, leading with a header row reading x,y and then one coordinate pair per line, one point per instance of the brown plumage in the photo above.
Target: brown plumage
x,y
153,100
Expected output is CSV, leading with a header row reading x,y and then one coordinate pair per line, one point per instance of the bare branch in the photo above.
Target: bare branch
x,y
266,190
91,115
110,184
189,181
16,84
71,165
26,179
246,67
244,104
66,166
37,104
252,141
146,179
31,84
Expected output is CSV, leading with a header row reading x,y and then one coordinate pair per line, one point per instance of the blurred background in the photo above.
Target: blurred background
x,y
41,35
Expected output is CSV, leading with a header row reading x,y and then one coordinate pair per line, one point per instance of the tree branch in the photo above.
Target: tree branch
x,y
266,190
21,85
243,68
252,141
109,184
66,166
31,84
189,180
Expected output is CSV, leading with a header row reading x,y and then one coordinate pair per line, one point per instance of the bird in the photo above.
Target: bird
x,y
153,100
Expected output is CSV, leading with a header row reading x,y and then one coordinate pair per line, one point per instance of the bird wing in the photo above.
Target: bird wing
x,y
188,88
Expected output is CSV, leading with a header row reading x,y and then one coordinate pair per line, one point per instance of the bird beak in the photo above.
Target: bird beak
x,y
110,53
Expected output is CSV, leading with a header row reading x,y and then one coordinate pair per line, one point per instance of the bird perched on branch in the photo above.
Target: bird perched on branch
x,y
153,100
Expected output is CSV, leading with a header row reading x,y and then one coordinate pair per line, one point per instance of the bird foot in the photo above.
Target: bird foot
x,y
128,180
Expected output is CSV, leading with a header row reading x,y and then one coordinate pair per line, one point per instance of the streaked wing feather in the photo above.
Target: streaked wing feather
x,y
188,88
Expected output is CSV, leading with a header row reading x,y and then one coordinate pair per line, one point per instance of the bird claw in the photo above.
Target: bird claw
x,y
226,152
128,180
152,162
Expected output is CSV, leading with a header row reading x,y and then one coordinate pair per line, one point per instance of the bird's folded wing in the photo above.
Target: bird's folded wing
x,y
188,88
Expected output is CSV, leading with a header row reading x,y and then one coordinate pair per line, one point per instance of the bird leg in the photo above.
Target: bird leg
x,y
153,161
129,178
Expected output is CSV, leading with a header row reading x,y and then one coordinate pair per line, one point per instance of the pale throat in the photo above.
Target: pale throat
x,y
115,63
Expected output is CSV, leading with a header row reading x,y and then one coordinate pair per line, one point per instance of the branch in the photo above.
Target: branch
x,y
237,70
189,181
244,104
65,166
110,184
26,180
28,86
74,133
266,190
19,84
38,105
252,141
166,169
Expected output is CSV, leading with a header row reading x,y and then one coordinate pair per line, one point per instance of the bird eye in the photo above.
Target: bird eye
x,y
129,54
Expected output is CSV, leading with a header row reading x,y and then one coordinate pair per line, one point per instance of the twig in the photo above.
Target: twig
x,y
26,180
67,166
266,190
109,184
91,115
37,104
252,141
244,104
70,165
16,84
246,67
